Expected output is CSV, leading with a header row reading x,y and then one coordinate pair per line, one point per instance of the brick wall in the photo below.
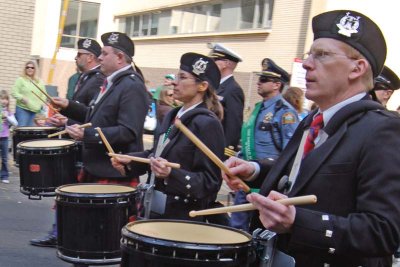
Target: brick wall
x,y
16,20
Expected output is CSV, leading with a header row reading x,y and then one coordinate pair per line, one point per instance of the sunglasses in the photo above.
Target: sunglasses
x,y
27,68
264,79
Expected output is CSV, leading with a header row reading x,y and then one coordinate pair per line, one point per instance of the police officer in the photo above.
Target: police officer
x,y
229,93
384,86
269,128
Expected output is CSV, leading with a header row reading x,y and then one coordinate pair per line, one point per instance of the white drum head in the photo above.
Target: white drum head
x,y
188,232
36,128
96,189
45,143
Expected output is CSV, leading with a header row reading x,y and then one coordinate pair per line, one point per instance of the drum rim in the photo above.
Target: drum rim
x,y
146,237
19,145
34,128
93,195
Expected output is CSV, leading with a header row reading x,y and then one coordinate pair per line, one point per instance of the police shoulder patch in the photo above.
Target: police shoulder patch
x,y
288,118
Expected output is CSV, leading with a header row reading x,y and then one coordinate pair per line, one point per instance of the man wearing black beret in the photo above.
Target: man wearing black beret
x,y
355,221
119,109
385,84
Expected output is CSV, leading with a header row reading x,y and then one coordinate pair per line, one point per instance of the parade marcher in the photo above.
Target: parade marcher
x,y
295,97
229,93
356,220
26,94
196,184
385,84
268,130
119,110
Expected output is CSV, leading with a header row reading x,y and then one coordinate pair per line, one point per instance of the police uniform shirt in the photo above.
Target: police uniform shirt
x,y
278,117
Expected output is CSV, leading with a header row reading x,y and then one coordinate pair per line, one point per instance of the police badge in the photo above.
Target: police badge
x,y
113,38
348,25
199,66
87,43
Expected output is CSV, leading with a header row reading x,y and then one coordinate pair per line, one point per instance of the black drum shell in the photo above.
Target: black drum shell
x,y
89,225
43,169
29,133
140,250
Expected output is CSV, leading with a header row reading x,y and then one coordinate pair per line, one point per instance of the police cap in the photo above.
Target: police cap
x,y
356,30
201,67
120,41
90,45
272,70
388,79
221,52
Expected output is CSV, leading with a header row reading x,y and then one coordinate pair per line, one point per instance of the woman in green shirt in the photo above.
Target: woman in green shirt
x,y
24,92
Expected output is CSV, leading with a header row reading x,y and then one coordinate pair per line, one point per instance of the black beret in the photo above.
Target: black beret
x,y
388,78
90,45
356,30
120,41
201,67
221,52
271,69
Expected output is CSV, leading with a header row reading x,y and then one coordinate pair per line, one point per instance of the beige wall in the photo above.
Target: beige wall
x,y
16,20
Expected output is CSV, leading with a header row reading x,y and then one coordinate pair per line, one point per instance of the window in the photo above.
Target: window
x,y
81,22
217,16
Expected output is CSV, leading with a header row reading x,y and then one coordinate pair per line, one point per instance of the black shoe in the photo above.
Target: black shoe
x,y
47,241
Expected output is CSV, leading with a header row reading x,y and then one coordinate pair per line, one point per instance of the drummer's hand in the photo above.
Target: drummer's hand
x,y
59,102
75,132
240,168
57,120
119,164
159,168
273,215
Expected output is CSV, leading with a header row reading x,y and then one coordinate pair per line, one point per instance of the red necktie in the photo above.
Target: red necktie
x,y
103,88
316,125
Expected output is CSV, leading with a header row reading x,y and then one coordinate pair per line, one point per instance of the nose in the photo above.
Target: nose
x,y
307,63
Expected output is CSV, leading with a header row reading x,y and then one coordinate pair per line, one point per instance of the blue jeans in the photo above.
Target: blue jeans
x,y
24,117
4,157
240,220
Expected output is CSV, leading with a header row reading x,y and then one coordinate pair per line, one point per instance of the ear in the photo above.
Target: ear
x,y
202,86
360,67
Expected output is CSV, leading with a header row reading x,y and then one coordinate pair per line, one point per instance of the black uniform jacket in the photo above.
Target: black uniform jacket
x,y
197,182
88,86
120,114
355,175
232,99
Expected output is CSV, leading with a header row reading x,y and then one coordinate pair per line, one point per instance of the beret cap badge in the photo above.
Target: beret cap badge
x,y
87,43
199,66
113,38
348,25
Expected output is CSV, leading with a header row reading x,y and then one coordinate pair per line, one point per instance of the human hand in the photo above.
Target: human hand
x,y
119,164
239,168
24,100
59,102
273,215
75,132
159,168
57,120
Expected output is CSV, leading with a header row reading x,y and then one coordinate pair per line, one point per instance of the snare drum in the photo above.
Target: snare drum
x,y
29,133
89,222
161,243
46,164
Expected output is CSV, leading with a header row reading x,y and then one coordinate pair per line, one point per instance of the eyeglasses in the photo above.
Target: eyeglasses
x,y
264,79
28,67
179,78
321,55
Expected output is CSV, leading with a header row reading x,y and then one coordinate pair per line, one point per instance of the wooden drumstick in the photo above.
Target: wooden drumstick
x,y
144,160
47,104
106,143
86,125
208,152
302,200
43,92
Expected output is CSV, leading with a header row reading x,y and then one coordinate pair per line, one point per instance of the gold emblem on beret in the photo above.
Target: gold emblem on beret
x,y
199,66
348,25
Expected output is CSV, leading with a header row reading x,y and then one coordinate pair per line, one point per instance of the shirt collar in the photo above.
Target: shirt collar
x,y
111,77
183,111
225,78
